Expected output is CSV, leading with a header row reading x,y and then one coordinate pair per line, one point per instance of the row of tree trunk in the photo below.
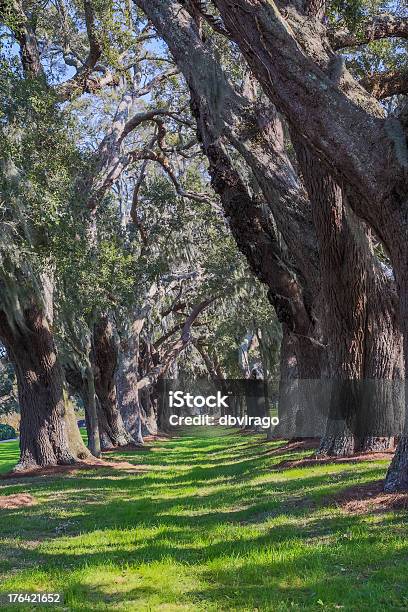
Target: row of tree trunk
x,y
49,433
117,413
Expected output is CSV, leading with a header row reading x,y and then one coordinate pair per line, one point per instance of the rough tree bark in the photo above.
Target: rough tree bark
x,y
288,391
105,353
127,380
291,57
48,435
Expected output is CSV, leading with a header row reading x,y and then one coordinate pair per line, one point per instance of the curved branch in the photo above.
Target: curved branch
x,y
385,84
173,352
163,161
83,81
375,28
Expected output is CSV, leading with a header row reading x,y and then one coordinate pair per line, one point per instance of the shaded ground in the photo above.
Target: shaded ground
x,y
370,497
313,460
209,525
87,464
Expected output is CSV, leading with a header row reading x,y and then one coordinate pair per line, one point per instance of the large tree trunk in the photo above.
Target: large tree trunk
x,y
397,475
48,433
343,273
112,430
383,401
360,317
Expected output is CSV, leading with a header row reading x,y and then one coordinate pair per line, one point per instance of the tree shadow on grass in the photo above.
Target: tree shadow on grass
x,y
215,514
290,500
289,554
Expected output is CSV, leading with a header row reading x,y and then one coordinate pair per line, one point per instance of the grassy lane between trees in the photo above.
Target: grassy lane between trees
x,y
206,522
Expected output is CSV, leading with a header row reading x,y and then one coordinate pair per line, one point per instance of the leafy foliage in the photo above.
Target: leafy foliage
x,y
7,432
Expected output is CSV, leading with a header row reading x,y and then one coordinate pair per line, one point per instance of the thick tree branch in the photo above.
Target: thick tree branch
x,y
83,81
252,132
299,83
12,13
385,84
95,46
375,28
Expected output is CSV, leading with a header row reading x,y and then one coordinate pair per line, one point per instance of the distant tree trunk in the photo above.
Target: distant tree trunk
x,y
149,412
148,360
126,383
84,386
74,435
112,430
91,412
48,435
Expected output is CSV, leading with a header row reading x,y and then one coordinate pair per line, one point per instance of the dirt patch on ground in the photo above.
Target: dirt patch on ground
x,y
20,500
87,464
292,447
313,460
369,498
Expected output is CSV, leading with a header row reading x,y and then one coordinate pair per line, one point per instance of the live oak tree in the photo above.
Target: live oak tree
x,y
29,201
288,48
228,116
63,53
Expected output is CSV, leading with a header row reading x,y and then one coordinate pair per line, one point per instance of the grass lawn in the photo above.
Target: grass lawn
x,y
207,524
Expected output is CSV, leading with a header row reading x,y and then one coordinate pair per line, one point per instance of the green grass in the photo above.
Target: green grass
x,y
207,524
